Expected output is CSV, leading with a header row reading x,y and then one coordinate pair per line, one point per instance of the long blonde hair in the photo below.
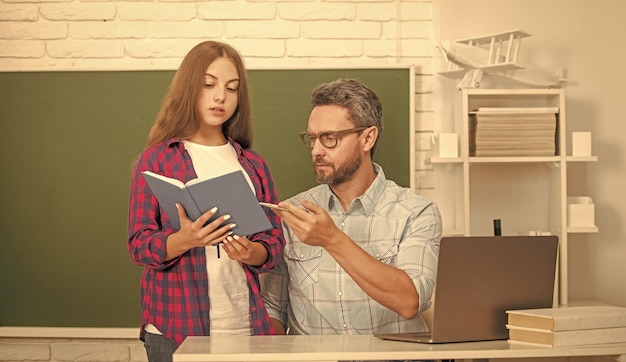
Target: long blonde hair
x,y
178,116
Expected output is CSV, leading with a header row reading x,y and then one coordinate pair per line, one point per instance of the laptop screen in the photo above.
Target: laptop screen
x,y
479,278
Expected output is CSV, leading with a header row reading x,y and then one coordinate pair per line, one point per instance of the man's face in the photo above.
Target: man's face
x,y
334,166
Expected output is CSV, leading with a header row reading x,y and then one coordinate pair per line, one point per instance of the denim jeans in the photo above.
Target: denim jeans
x,y
159,348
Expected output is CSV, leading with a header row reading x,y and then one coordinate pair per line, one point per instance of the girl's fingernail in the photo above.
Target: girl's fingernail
x,y
232,226
236,237
213,210
226,217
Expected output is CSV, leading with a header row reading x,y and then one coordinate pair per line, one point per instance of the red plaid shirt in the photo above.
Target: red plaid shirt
x,y
174,293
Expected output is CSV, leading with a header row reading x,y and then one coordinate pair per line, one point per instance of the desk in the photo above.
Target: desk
x,y
364,347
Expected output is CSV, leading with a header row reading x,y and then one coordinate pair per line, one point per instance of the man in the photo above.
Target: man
x,y
361,252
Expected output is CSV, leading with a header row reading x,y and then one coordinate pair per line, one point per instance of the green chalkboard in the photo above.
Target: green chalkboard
x,y
67,142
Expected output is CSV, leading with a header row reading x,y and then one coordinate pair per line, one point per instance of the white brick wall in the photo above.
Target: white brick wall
x,y
47,35
65,349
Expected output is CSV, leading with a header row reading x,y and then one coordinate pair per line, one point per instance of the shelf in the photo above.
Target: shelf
x,y
544,159
583,230
508,93
528,193
445,160
581,158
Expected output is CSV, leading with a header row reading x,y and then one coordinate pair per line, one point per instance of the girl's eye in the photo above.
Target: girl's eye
x,y
232,90
209,85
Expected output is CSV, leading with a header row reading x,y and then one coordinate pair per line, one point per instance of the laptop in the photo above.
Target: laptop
x,y
479,278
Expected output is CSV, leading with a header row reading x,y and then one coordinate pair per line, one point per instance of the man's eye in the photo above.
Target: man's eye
x,y
328,136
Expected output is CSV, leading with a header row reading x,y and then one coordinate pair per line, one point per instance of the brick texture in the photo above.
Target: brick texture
x,y
48,35
110,35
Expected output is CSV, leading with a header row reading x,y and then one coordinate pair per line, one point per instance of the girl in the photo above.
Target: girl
x,y
203,129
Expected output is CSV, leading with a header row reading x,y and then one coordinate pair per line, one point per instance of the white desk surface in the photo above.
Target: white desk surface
x,y
365,347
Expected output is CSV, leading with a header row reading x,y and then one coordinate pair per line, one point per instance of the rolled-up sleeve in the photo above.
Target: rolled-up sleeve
x,y
419,251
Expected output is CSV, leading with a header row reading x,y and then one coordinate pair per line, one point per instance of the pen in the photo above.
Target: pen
x,y
272,206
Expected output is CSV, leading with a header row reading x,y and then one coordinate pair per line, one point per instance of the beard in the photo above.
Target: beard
x,y
340,174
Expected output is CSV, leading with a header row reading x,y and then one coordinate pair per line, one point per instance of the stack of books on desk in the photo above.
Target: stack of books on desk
x,y
567,326
506,131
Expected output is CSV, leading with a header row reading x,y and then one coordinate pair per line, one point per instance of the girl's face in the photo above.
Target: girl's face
x,y
219,95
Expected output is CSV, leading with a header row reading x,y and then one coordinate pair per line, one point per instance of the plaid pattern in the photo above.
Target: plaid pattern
x,y
316,296
174,293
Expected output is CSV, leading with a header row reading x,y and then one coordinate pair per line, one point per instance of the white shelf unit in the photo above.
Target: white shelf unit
x,y
527,194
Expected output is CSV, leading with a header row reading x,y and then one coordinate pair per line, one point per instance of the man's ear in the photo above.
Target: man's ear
x,y
370,135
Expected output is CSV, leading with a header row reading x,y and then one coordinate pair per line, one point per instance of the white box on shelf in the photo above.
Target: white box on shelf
x,y
580,211
448,144
581,144
535,233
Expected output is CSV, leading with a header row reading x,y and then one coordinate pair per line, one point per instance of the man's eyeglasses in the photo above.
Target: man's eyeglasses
x,y
327,139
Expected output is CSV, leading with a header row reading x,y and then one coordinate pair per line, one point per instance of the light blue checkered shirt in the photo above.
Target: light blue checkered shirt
x,y
317,296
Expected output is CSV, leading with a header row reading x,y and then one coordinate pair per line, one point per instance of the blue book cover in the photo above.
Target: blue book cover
x,y
230,193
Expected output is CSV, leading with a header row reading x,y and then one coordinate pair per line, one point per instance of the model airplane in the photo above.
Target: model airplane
x,y
497,54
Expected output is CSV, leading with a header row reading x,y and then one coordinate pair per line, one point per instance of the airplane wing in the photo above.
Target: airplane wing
x,y
496,54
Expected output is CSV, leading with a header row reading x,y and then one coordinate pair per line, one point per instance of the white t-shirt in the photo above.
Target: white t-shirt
x,y
228,286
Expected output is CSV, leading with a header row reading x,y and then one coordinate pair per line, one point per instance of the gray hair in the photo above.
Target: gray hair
x,y
363,106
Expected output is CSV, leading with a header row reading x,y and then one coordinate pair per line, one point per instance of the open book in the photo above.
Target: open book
x,y
230,193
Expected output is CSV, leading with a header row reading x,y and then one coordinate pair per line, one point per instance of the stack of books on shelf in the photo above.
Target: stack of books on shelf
x,y
567,326
518,131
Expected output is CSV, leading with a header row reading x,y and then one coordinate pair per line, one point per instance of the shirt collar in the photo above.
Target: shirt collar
x,y
238,149
173,142
367,201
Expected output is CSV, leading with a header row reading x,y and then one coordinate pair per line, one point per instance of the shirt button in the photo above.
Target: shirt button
x,y
377,255
339,293
345,325
301,256
343,224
